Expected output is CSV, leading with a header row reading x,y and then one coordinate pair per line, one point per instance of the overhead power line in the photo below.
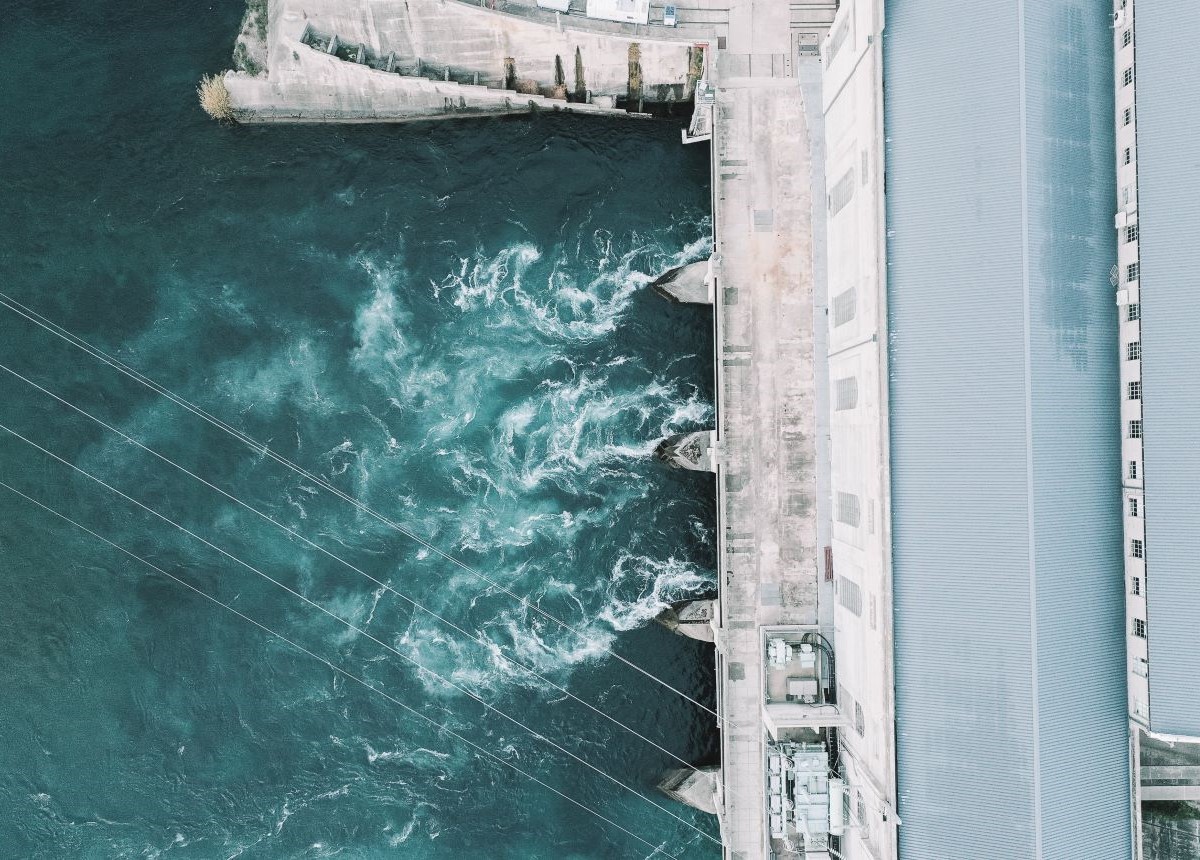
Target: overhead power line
x,y
479,639
362,632
98,354
655,849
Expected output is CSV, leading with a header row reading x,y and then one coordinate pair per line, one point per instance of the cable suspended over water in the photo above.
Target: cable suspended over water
x,y
482,641
352,626
441,727
81,344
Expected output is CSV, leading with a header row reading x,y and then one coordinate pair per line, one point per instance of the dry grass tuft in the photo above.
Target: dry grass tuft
x,y
214,98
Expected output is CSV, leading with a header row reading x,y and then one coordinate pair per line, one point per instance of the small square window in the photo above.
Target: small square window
x,y
1132,271
1133,313
1139,628
1127,77
1128,155
1136,548
1133,351
1135,390
1133,470
1131,233
1133,507
1127,117
1135,585
1135,429
1126,38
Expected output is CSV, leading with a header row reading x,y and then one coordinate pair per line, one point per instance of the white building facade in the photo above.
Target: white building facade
x,y
860,537
1127,278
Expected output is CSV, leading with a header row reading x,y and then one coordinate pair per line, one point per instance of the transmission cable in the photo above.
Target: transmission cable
x,y
441,727
352,626
481,640
81,344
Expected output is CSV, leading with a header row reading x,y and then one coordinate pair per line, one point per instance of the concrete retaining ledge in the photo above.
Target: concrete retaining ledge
x,y
331,90
691,618
503,52
692,451
695,788
690,284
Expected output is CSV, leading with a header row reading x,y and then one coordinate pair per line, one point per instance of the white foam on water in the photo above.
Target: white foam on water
x,y
642,587
558,304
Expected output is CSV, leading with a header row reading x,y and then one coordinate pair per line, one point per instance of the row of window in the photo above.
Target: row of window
x,y
1133,349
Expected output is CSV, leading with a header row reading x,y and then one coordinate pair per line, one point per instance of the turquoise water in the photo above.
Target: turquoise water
x,y
448,321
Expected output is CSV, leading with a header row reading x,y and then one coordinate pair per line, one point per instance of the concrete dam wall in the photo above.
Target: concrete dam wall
x,y
414,59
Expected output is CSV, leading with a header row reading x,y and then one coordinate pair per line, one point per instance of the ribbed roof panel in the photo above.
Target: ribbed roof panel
x,y
1010,661
1167,87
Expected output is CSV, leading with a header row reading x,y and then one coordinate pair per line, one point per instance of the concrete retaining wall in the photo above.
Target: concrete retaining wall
x,y
503,53
315,87
498,47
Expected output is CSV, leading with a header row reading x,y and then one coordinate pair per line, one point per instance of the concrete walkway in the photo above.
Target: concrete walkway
x,y
767,478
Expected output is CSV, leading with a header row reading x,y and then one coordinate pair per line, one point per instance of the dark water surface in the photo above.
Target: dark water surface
x,y
448,321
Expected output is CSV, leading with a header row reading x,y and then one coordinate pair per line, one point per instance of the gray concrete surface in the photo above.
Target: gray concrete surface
x,y
690,284
767,547
478,56
693,787
692,618
692,451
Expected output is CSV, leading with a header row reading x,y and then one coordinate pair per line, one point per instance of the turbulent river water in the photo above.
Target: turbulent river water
x,y
449,322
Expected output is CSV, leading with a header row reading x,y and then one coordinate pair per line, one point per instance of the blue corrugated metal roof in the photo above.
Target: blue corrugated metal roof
x,y
1167,89
1007,543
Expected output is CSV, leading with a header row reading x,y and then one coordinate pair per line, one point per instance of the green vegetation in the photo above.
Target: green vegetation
x,y
258,10
243,61
580,83
635,73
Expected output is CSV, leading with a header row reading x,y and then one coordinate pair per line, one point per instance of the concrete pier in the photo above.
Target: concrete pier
x,y
692,618
694,451
690,284
696,788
